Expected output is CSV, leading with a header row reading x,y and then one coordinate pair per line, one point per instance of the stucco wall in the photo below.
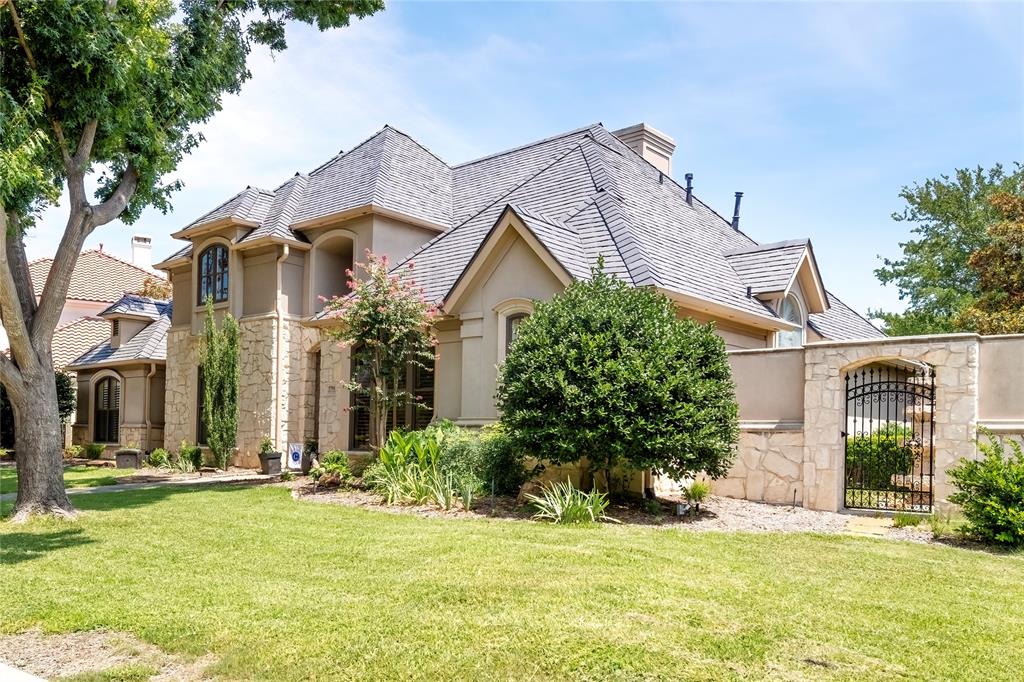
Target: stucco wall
x,y
133,429
769,385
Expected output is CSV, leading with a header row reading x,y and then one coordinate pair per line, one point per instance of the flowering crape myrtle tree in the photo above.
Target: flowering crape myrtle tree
x,y
609,373
386,322
111,89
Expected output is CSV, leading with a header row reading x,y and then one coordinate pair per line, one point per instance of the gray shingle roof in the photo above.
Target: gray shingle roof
x,y
251,204
767,268
138,306
584,193
149,344
841,323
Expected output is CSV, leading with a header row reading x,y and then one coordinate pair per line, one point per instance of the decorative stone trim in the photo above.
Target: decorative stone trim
x,y
757,425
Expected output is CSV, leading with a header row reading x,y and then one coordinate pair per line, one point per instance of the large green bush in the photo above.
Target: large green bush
x,y
873,459
485,459
990,492
609,372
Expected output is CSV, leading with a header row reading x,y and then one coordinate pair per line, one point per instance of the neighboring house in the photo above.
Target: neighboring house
x,y
121,379
488,237
99,279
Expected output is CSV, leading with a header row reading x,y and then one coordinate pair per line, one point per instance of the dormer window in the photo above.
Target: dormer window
x,y
790,310
213,274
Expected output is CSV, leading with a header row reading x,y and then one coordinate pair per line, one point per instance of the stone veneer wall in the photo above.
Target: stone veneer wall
x,y
768,468
334,397
298,383
257,356
180,389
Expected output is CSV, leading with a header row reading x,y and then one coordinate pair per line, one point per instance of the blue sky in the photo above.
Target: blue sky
x,y
819,113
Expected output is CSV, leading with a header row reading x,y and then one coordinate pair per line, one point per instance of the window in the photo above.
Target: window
x,y
512,323
115,327
108,410
790,311
410,416
213,274
201,433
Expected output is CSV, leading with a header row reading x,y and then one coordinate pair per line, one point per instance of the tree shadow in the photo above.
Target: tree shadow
x,y
18,547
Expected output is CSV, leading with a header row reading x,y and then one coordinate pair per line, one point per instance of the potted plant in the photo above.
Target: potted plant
x,y
129,457
270,461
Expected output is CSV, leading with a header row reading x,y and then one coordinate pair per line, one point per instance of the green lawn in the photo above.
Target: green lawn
x,y
74,477
279,589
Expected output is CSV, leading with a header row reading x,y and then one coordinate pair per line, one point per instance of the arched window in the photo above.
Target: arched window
x,y
512,323
213,274
790,311
108,410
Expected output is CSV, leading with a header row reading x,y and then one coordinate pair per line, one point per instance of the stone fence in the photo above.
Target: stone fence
x,y
793,406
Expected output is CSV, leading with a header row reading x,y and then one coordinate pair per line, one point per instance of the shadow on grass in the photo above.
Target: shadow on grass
x,y
18,547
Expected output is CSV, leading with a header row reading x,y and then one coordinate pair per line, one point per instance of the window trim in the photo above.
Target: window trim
x,y
510,308
93,387
226,274
803,321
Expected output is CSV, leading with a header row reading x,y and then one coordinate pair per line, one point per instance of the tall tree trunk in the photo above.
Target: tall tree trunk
x,y
39,452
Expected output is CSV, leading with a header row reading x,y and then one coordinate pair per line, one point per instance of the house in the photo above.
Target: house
x,y
121,379
488,237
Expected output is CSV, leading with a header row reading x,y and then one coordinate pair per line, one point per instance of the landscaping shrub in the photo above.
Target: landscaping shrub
x,y
70,452
93,450
6,453
159,458
406,470
483,460
990,492
697,492
609,372
333,469
873,459
941,524
192,454
564,503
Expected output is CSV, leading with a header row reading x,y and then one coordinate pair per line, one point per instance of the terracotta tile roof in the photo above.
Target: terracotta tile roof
x,y
98,276
76,337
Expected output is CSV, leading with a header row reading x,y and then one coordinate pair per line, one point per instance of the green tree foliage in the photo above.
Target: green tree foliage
x,y
990,491
873,458
220,385
609,373
66,396
999,266
387,323
951,217
113,90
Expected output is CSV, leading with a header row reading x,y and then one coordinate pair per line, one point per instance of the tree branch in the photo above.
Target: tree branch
x,y
11,307
18,262
116,202
55,291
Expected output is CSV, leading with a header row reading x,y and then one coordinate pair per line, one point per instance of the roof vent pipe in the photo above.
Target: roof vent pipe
x,y
689,188
736,212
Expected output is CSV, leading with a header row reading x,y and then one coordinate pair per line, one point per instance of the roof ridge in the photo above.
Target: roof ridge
x,y
417,143
111,256
526,146
544,218
770,246
343,154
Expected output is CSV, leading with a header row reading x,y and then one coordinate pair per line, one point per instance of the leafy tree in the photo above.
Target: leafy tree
x,y
220,385
154,287
112,89
67,396
609,373
1000,269
951,217
387,323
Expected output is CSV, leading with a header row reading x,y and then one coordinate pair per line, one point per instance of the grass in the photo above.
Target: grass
x,y
81,476
280,589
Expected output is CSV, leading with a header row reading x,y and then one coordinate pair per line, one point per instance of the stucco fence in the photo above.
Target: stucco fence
x,y
793,406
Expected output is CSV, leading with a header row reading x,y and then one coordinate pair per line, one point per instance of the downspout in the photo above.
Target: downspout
x,y
279,316
146,403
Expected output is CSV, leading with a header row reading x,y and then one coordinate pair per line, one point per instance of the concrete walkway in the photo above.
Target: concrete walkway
x,y
120,487
869,526
9,674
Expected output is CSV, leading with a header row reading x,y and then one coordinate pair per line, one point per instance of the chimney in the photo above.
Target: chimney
x,y
689,188
736,212
142,251
654,145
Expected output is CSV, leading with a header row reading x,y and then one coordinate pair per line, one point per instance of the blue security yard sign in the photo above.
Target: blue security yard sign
x,y
294,455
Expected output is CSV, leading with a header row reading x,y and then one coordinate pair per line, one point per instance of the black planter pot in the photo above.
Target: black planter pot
x,y
270,463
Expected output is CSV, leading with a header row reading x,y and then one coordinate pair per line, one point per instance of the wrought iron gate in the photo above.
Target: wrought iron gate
x,y
889,438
